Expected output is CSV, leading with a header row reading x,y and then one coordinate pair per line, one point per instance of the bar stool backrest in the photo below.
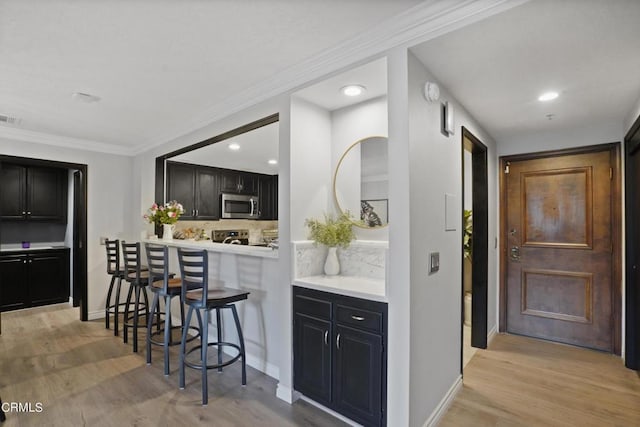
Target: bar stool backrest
x,y
131,255
194,269
113,256
158,263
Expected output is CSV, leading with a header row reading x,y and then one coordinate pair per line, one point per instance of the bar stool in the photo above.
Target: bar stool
x,y
117,273
196,293
138,278
164,286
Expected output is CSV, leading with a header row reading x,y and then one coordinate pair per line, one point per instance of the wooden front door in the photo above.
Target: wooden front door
x,y
559,248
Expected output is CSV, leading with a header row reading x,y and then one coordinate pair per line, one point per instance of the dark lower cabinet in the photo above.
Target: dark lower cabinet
x,y
339,353
29,279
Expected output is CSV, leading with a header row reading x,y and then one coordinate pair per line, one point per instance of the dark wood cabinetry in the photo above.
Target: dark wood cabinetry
x,y
339,353
196,188
33,278
33,193
233,181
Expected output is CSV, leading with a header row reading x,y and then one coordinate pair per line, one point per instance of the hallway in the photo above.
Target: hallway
x,y
520,381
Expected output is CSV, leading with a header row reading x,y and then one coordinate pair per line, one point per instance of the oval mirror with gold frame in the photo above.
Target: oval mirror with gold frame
x,y
361,182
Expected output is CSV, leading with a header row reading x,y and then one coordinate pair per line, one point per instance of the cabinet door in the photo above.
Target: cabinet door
x,y
180,187
47,194
312,357
268,197
249,183
358,375
12,192
48,277
229,181
207,197
14,290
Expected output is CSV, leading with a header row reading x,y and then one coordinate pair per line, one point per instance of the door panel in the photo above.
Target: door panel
x,y
312,365
559,263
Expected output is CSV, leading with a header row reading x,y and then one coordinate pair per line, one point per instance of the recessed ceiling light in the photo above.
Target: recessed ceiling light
x,y
273,162
353,90
233,146
548,96
85,97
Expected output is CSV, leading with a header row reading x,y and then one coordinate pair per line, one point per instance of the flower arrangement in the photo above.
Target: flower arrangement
x,y
334,231
164,214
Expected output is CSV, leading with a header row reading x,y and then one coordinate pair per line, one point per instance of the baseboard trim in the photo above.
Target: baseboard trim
x,y
329,411
95,315
286,393
491,335
444,404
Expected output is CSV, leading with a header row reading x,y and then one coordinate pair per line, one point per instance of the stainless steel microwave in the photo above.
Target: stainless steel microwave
x,y
239,206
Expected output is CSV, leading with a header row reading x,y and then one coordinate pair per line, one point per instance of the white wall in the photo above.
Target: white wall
x,y
108,205
348,125
631,117
436,169
592,134
311,193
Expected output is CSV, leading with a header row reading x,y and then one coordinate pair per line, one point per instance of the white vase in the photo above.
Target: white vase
x,y
332,264
167,231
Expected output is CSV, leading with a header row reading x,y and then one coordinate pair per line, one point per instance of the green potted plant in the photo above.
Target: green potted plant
x,y
334,231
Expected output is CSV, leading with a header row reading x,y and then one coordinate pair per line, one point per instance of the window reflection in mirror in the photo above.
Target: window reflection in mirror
x,y
361,183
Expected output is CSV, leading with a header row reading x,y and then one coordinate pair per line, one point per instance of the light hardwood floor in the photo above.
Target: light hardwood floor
x,y
520,381
83,375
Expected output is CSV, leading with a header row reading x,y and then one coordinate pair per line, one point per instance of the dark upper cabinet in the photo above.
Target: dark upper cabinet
x,y
268,197
33,193
196,188
339,353
233,181
34,278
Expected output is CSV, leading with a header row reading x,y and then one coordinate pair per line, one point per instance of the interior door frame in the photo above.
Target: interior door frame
x,y
80,267
632,285
480,242
616,230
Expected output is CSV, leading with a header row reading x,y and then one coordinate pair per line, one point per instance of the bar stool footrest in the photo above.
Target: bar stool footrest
x,y
218,365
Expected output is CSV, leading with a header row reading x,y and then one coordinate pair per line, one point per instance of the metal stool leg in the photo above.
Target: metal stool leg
x,y
108,303
125,329
167,332
183,347
136,314
154,307
219,328
241,339
204,347
116,315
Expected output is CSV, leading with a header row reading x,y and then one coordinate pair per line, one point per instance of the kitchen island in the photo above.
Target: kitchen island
x,y
250,268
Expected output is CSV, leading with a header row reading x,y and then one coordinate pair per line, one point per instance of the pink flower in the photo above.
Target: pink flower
x,y
171,214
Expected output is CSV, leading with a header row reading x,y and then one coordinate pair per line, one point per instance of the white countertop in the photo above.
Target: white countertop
x,y
354,286
17,247
258,251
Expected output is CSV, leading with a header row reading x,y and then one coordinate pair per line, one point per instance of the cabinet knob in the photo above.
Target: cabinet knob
x,y
30,261
28,213
24,212
24,261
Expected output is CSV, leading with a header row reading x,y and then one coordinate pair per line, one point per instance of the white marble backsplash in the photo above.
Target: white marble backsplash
x,y
362,258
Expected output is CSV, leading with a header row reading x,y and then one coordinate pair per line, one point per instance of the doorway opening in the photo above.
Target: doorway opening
x,y
475,245
69,229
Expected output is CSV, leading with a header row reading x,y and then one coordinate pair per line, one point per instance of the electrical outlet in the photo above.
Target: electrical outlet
x,y
434,262
103,240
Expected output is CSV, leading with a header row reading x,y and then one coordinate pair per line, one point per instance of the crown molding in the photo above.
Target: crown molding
x,y
63,141
418,24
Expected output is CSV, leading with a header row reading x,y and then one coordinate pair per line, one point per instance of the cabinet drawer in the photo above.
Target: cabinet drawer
x,y
359,318
312,306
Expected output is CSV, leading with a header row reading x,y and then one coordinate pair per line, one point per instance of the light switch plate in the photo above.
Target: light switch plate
x,y
434,262
103,240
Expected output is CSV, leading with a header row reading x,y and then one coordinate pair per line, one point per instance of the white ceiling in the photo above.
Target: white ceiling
x,y
157,64
257,147
587,50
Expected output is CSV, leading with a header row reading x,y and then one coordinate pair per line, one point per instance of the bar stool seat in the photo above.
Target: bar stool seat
x,y
202,299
